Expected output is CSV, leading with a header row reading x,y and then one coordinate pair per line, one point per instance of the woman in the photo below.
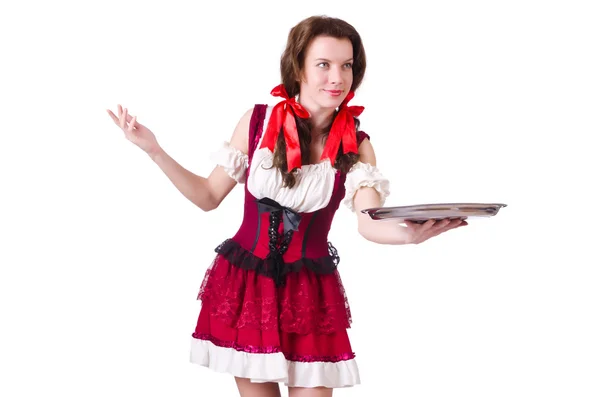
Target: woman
x,y
273,304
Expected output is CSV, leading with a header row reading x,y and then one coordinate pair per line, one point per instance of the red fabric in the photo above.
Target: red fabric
x,y
243,299
283,116
343,131
245,316
306,319
332,347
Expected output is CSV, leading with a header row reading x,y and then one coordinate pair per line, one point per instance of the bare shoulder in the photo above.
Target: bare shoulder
x,y
367,153
239,138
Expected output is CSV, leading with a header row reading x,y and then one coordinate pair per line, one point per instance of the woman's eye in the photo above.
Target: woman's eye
x,y
326,64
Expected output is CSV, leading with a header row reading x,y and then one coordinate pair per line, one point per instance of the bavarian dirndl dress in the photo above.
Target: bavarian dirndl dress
x,y
273,304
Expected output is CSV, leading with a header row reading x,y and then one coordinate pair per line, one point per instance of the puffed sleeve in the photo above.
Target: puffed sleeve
x,y
365,175
233,161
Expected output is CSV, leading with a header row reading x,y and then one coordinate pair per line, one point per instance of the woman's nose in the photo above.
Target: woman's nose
x,y
335,75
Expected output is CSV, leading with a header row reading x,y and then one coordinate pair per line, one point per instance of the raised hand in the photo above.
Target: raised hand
x,y
135,132
422,232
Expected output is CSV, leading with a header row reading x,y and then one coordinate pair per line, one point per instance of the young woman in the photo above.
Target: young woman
x,y
273,304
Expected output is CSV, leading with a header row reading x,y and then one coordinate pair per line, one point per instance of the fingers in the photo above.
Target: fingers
x,y
420,226
123,119
440,224
128,124
434,228
132,124
434,224
112,115
428,225
449,225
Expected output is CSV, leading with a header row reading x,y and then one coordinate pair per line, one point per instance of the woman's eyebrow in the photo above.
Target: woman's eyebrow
x,y
327,60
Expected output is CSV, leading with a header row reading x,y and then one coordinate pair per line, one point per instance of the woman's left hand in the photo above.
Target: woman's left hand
x,y
419,233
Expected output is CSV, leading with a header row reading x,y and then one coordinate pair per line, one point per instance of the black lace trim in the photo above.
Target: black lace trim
x,y
271,267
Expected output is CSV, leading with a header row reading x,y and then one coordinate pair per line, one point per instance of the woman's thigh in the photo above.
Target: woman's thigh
x,y
310,392
249,389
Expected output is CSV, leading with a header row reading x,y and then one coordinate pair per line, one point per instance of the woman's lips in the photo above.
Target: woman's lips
x,y
334,92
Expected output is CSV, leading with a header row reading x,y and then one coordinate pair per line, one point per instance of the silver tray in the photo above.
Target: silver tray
x,y
423,212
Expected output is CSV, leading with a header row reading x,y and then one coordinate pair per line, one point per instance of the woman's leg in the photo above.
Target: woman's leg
x,y
249,389
310,392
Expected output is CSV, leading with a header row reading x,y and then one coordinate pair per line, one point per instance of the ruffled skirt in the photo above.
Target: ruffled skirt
x,y
294,333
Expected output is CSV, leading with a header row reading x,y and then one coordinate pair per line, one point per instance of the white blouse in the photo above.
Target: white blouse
x,y
314,182
233,161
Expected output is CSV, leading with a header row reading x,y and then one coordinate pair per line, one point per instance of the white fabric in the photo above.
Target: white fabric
x,y
240,364
312,191
273,367
233,161
314,182
365,175
340,374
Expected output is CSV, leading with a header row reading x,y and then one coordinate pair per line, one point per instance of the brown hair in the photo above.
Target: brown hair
x,y
292,63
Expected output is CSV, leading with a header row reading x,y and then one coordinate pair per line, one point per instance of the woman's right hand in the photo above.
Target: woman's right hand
x,y
420,232
135,132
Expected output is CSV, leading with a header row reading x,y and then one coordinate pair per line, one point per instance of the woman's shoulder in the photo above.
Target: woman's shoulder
x,y
250,121
361,135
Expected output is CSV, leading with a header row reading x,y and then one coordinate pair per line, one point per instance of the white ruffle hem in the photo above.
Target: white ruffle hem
x,y
273,367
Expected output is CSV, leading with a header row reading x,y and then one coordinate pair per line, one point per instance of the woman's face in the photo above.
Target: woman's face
x,y
327,73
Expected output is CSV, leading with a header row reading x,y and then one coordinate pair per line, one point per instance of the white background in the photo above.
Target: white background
x,y
477,101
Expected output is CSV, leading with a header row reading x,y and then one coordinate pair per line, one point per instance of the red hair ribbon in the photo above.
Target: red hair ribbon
x,y
283,115
343,130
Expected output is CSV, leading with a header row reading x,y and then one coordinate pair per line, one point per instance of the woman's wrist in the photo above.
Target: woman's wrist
x,y
382,232
155,153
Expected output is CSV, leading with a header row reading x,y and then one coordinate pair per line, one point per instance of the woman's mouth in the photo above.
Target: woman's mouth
x,y
334,92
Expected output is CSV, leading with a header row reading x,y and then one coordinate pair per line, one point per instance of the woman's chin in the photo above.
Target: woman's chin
x,y
331,102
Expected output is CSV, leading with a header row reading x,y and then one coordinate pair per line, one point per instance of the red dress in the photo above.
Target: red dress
x,y
273,304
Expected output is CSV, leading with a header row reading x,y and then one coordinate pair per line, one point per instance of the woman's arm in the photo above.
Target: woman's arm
x,y
206,193
367,197
390,232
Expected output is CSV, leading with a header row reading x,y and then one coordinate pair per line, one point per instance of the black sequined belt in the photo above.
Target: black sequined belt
x,y
278,243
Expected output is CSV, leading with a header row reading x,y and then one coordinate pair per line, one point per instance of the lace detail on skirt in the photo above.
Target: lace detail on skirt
x,y
274,349
240,296
234,345
244,259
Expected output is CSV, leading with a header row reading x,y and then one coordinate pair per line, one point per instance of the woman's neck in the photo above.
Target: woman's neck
x,y
320,117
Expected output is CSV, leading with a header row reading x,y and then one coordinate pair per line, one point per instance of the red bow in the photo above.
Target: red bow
x,y
343,130
283,115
